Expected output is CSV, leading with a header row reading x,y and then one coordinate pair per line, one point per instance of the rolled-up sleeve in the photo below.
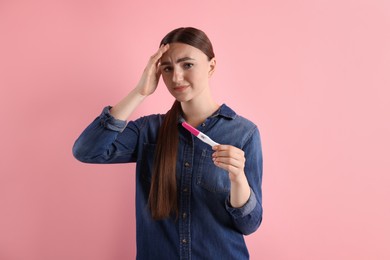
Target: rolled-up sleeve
x,y
109,122
107,140
248,218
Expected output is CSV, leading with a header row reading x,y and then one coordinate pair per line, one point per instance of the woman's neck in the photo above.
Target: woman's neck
x,y
196,112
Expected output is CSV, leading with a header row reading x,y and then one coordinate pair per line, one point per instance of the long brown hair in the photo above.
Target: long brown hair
x,y
163,192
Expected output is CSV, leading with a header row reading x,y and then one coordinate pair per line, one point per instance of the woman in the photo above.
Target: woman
x,y
193,201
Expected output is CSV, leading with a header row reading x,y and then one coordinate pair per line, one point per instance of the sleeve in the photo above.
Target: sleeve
x,y
108,140
248,218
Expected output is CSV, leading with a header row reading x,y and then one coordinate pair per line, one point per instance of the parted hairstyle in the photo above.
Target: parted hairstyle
x,y
163,192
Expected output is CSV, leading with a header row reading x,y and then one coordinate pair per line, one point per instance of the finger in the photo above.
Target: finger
x,y
228,167
236,162
163,48
225,147
228,153
235,153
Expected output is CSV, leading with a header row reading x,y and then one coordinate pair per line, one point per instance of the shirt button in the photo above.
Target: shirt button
x,y
204,124
184,215
185,189
184,241
187,164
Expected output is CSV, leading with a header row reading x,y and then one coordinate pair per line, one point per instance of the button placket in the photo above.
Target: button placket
x,y
185,202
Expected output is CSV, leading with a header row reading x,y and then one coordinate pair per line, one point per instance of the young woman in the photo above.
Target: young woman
x,y
193,201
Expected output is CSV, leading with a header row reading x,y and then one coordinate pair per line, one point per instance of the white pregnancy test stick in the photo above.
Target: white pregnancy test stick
x,y
199,134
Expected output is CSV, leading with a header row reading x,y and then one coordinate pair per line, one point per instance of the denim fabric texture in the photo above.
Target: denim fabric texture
x,y
207,227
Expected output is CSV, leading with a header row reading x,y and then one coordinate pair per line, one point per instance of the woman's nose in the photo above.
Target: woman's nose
x,y
177,76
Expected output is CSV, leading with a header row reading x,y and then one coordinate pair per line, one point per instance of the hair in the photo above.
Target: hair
x,y
163,192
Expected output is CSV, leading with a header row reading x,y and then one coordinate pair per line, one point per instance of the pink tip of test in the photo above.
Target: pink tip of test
x,y
190,128
199,134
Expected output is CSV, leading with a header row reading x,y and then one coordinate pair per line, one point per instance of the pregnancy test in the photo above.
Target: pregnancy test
x,y
199,134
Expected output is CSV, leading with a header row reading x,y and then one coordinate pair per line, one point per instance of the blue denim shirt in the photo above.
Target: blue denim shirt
x,y
208,227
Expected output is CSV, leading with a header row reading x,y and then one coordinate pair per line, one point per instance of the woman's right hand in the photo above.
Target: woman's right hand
x,y
146,86
151,75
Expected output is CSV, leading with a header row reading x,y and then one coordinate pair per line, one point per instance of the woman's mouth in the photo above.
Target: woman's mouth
x,y
180,88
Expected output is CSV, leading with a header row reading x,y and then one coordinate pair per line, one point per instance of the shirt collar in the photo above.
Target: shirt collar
x,y
223,111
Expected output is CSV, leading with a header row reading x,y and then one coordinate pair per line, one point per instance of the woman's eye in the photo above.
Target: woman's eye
x,y
167,69
188,65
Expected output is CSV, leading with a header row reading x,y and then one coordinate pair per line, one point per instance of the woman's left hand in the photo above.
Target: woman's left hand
x,y
231,159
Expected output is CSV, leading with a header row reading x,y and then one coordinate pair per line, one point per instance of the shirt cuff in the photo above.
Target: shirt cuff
x,y
245,210
109,122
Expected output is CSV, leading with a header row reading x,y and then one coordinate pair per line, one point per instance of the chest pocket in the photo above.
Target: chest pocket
x,y
211,177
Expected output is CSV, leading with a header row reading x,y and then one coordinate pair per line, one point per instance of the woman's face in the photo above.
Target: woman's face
x,y
186,71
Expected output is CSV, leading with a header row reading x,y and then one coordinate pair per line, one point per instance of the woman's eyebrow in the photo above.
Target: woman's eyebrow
x,y
177,61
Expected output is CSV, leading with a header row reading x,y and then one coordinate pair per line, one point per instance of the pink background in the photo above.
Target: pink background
x,y
313,74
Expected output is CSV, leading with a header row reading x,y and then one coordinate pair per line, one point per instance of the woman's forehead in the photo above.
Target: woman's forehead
x,y
179,51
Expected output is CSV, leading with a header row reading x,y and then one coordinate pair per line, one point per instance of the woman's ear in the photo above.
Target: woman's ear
x,y
213,64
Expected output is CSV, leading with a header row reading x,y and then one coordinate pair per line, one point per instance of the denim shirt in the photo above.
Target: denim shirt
x,y
207,227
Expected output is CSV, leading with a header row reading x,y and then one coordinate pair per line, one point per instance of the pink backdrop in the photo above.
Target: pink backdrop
x,y
313,74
